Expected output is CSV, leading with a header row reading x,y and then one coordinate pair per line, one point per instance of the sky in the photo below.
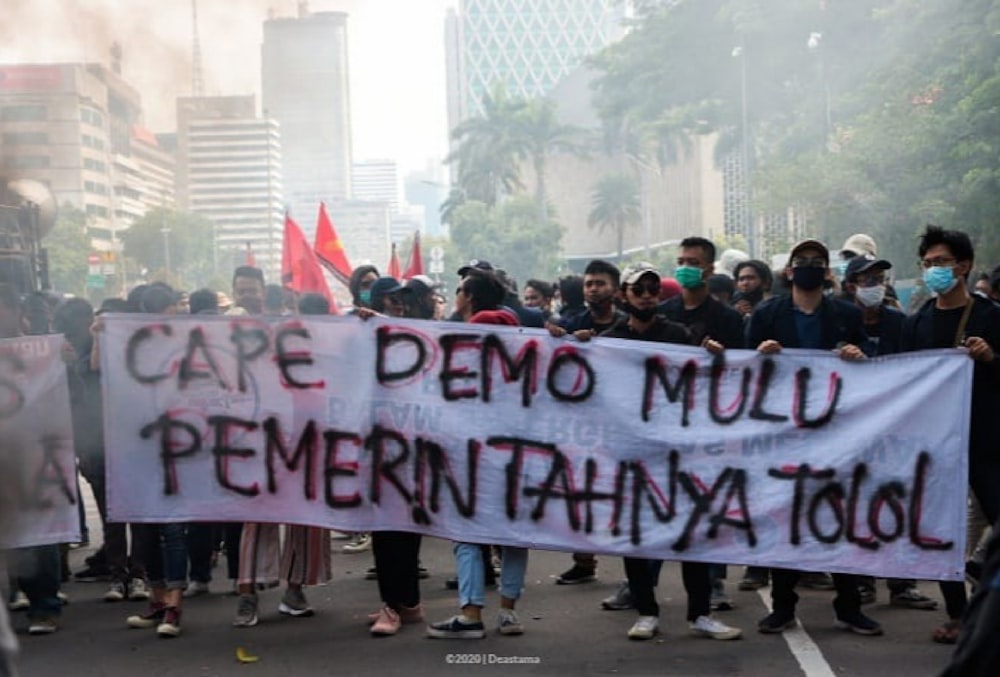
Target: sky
x,y
396,52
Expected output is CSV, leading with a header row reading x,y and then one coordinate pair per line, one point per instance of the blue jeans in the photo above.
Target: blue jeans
x,y
471,577
167,560
37,572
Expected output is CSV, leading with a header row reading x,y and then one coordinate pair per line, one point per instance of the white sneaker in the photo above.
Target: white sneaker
x,y
138,590
19,602
508,623
644,628
360,543
706,626
116,592
196,589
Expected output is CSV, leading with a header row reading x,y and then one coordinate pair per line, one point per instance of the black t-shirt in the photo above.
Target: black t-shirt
x,y
662,331
711,319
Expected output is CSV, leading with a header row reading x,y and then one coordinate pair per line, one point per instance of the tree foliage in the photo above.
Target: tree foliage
x,y
189,238
616,205
871,115
68,247
509,236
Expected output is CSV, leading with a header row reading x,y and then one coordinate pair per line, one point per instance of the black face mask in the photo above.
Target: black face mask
x,y
752,297
641,314
603,304
808,278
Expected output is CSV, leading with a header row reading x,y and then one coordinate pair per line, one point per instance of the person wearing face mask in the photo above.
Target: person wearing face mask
x,y
360,285
640,289
807,318
865,284
695,308
753,283
954,318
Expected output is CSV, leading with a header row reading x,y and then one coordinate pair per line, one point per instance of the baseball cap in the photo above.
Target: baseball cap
x,y
634,273
385,286
475,264
809,244
864,263
859,244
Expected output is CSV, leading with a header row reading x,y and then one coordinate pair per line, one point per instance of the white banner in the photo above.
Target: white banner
x,y
500,435
38,495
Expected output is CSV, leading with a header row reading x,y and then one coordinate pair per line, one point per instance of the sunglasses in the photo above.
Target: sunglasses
x,y
646,287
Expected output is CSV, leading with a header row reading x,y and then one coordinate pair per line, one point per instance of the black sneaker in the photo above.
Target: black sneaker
x,y
457,627
775,623
859,624
576,575
94,573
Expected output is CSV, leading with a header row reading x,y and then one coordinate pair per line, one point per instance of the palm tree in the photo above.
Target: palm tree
x,y
488,149
615,203
539,134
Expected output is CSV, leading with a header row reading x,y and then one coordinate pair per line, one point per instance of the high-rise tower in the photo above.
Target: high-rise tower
x,y
305,88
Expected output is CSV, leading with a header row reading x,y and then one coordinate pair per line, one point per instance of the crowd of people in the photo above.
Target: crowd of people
x,y
842,302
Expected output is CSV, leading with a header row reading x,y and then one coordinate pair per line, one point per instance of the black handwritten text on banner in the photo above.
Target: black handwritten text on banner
x,y
508,436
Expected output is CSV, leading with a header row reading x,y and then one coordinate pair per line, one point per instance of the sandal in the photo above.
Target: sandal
x,y
948,633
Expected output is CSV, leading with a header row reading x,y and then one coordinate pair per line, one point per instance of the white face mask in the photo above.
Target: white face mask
x,y
870,296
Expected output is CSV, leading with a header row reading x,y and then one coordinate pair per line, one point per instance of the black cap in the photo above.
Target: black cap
x,y
384,286
475,264
864,263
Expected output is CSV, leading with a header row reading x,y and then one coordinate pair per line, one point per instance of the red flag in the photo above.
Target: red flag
x,y
251,261
394,268
300,269
329,248
415,266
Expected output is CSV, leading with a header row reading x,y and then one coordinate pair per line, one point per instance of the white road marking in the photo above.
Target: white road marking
x,y
802,646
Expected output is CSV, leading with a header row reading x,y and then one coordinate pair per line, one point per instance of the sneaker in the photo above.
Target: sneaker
x,y
859,624
196,589
407,615
706,626
719,600
816,581
62,597
360,543
150,619
912,598
751,583
644,628
620,600
138,590
93,574
371,574
246,612
775,623
19,602
867,594
576,575
44,625
294,603
117,592
508,623
422,572
457,627
171,625
387,622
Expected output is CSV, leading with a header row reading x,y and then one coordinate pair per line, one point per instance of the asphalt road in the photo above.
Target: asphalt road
x,y
565,633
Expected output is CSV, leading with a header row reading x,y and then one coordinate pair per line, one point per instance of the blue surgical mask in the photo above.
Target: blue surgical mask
x,y
366,297
940,279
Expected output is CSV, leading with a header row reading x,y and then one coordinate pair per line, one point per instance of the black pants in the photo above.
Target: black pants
x,y
847,602
642,579
116,554
397,559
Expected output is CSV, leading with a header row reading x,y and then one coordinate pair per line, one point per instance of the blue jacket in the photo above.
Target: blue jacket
x,y
774,320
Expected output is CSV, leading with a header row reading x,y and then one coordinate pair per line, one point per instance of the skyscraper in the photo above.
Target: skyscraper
x,y
229,171
525,45
376,181
305,88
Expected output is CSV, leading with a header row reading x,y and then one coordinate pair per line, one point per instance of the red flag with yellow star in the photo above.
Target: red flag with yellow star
x,y
329,248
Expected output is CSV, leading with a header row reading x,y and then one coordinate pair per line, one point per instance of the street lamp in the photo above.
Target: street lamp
x,y
166,252
740,53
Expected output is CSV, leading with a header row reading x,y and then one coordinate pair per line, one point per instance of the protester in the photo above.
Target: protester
x,y
809,319
640,289
360,285
538,294
955,318
480,300
753,285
